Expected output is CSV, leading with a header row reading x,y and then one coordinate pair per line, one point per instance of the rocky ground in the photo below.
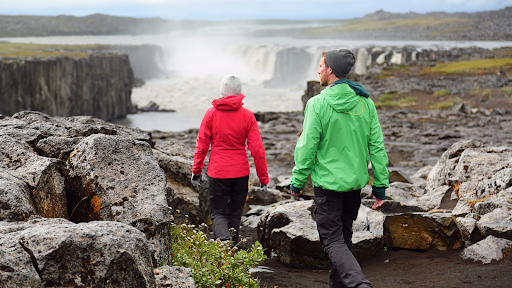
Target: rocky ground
x,y
415,137
398,268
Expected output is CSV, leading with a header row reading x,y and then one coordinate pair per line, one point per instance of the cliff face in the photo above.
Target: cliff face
x,y
98,85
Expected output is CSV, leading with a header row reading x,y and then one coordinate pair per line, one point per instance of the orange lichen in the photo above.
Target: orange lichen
x,y
95,204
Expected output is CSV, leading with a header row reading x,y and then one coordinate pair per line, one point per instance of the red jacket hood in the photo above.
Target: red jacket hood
x,y
232,102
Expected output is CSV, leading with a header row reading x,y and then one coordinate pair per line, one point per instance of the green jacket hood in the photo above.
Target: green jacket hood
x,y
341,98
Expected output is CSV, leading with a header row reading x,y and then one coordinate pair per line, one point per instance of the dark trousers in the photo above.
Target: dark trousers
x,y
334,214
227,199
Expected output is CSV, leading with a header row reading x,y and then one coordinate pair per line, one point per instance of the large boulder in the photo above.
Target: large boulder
x,y
59,253
15,201
289,230
176,160
491,248
423,231
120,180
43,177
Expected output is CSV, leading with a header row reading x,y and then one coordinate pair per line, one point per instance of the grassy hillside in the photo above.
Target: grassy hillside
x,y
12,50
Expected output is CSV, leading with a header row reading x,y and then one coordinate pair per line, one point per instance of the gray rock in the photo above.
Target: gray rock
x,y
253,216
462,209
395,175
57,147
496,223
255,195
461,108
56,252
122,182
15,201
150,107
491,248
289,231
43,176
77,126
177,277
466,226
176,161
423,172
444,169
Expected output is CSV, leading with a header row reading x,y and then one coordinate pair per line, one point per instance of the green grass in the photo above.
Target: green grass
x,y
12,50
470,66
476,90
442,93
389,101
371,24
442,105
507,91
487,93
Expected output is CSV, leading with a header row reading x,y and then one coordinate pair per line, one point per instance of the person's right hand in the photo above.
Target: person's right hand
x,y
196,179
377,203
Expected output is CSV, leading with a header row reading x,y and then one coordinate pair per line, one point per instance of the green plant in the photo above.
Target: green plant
x,y
442,105
487,93
407,101
386,98
476,90
213,262
442,93
471,66
507,91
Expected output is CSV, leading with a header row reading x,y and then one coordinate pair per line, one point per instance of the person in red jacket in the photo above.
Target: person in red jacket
x,y
226,127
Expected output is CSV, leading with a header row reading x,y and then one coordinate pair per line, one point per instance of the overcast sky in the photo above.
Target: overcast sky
x,y
242,9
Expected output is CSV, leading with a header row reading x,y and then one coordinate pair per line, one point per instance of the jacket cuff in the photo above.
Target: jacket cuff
x,y
294,189
379,192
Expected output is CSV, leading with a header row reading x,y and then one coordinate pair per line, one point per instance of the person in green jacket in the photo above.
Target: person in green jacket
x,y
341,134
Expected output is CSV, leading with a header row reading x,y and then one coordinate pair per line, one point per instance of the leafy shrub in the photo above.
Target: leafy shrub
x,y
213,262
507,91
442,93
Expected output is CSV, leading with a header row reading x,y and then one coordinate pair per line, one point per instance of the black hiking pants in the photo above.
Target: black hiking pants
x,y
334,214
227,199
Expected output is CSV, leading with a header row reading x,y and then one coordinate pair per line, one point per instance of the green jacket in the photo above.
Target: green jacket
x,y
341,132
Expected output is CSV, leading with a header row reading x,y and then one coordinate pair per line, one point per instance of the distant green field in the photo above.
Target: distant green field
x,y
11,50
358,25
471,67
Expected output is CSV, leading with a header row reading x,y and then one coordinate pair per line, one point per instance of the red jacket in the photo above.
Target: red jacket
x,y
226,126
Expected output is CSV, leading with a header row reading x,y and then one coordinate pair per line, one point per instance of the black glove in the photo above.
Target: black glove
x,y
196,179
263,188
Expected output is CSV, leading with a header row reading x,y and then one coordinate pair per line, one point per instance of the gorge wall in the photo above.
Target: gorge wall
x,y
96,85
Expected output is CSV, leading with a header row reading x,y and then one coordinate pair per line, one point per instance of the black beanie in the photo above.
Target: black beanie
x,y
340,61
